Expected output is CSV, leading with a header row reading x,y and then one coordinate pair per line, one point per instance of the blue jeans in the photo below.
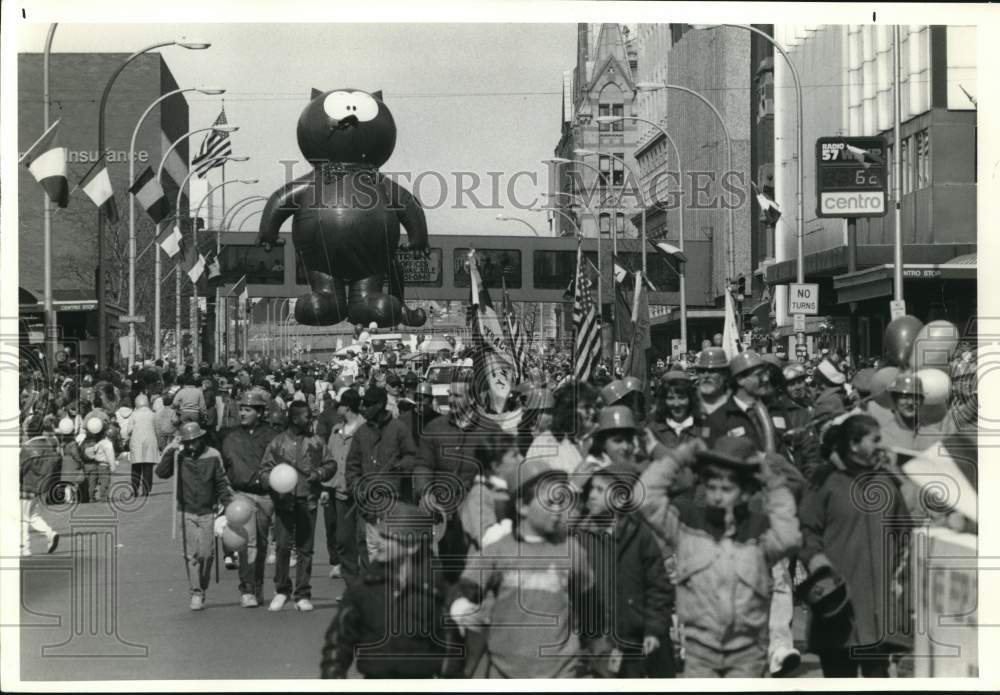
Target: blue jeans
x,y
253,555
199,540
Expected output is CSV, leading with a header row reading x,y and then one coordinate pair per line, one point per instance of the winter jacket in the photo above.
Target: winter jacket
x,y
164,421
447,456
339,445
723,573
72,463
380,461
242,455
829,402
732,421
190,402
794,428
632,596
203,481
41,462
307,454
483,506
855,521
395,631
140,432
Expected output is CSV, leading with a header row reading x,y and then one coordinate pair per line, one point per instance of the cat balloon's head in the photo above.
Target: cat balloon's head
x,y
348,126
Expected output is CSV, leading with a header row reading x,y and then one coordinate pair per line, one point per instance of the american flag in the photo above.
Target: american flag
x,y
586,321
216,144
516,336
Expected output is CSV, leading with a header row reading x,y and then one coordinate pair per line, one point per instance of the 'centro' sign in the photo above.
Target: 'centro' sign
x,y
854,202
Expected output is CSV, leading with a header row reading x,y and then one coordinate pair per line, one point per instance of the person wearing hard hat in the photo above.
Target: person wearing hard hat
x,y
614,441
907,429
830,398
202,485
242,453
627,392
749,377
711,369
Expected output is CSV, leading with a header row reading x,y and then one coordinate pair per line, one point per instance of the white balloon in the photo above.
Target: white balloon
x,y
283,478
937,385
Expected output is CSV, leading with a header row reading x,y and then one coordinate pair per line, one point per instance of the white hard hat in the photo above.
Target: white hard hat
x,y
66,426
95,425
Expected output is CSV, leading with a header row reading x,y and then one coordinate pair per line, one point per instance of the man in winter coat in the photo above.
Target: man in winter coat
x,y
295,512
243,453
40,465
202,485
380,462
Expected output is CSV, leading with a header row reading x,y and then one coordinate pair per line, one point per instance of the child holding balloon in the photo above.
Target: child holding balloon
x,y
202,484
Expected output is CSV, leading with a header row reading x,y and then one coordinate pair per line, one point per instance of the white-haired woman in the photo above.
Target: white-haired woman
x,y
144,450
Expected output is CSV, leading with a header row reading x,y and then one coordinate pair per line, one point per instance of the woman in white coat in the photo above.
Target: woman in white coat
x,y
144,452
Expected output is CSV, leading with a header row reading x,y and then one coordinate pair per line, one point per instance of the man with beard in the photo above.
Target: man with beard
x,y
242,453
712,370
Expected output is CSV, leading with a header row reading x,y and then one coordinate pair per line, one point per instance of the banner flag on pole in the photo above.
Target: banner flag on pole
x,y
47,163
484,323
215,145
730,330
170,240
641,341
97,185
149,193
515,334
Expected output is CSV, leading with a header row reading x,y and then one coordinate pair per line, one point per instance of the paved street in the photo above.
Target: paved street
x,y
150,601
135,623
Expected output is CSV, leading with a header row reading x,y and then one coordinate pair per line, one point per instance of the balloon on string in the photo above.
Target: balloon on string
x,y
900,335
239,511
881,381
234,537
937,386
283,478
934,346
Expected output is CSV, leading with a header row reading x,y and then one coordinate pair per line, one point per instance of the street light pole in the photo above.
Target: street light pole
x,y
680,210
102,328
131,209
897,274
157,269
51,330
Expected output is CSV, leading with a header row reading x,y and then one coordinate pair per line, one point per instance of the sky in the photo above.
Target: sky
x,y
467,97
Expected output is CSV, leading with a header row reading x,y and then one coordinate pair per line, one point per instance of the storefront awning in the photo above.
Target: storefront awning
x,y
875,282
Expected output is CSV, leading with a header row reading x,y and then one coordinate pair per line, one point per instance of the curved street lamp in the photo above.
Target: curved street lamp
x,y
157,268
131,206
102,329
505,218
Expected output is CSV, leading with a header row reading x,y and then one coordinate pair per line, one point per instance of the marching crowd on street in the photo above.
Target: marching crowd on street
x,y
533,526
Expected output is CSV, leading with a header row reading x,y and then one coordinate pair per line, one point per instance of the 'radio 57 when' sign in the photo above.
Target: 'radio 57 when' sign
x,y
851,177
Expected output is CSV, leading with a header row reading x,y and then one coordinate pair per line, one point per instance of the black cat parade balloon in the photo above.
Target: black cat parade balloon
x,y
346,214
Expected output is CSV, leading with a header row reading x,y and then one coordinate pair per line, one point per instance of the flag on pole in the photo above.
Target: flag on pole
x,y
730,330
586,321
215,145
212,266
638,365
768,207
194,263
863,156
97,185
170,240
487,332
149,193
47,163
514,333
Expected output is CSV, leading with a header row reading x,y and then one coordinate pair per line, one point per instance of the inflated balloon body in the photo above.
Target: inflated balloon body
x,y
934,346
239,511
346,214
283,478
937,386
881,381
234,537
899,337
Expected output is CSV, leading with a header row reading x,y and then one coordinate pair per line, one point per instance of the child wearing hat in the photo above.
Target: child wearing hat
x,y
725,551
98,458
394,623
202,484
532,579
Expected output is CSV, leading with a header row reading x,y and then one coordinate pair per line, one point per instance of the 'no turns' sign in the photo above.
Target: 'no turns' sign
x,y
803,299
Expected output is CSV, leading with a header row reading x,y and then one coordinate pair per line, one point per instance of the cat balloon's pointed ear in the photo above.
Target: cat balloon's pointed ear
x,y
315,93
377,95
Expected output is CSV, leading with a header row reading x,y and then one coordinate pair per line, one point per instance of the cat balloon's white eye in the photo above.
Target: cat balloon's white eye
x,y
340,105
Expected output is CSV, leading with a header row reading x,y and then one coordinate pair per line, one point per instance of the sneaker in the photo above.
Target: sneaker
x,y
248,601
271,557
335,572
278,602
230,562
197,602
784,662
304,605
53,543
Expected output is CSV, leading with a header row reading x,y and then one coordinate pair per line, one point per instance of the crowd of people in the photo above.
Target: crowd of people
x,y
536,526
